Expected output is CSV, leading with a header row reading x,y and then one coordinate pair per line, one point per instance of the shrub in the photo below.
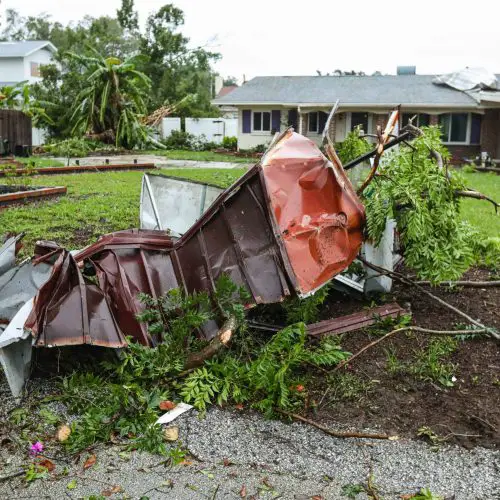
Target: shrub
x,y
69,148
230,143
179,139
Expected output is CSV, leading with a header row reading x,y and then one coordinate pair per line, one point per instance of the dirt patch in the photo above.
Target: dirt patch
x,y
467,413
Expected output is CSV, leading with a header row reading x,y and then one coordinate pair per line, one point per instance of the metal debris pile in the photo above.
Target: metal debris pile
x,y
288,226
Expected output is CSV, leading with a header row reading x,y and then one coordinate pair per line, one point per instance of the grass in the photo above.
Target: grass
x,y
95,204
179,154
40,161
480,213
102,202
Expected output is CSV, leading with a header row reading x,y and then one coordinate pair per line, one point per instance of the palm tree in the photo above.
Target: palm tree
x,y
111,106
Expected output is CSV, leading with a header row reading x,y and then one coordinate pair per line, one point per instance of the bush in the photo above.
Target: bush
x,y
69,148
230,143
78,147
179,139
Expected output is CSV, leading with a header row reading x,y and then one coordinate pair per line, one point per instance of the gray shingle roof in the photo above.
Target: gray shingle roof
x,y
363,90
24,48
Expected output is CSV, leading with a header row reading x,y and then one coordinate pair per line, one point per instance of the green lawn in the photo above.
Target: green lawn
x,y
102,202
481,214
199,156
40,161
95,204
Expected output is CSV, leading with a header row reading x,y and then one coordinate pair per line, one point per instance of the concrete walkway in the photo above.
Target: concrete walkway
x,y
159,161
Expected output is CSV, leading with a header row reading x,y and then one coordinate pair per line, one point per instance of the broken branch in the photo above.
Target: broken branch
x,y
221,340
337,434
470,284
408,281
406,328
382,141
478,196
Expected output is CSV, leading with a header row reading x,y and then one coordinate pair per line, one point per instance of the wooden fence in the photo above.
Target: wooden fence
x,y
15,127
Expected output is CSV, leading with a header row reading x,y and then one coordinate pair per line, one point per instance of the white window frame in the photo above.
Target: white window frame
x,y
467,133
261,130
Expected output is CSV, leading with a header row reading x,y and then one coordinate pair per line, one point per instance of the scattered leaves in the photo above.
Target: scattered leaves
x,y
167,405
89,462
63,433
47,464
71,485
171,433
243,491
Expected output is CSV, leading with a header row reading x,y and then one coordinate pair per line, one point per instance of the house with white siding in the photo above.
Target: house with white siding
x,y
470,122
21,61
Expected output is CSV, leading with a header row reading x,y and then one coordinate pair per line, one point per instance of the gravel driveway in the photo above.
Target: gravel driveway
x,y
237,453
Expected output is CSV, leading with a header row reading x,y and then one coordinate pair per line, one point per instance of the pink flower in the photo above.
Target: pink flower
x,y
36,448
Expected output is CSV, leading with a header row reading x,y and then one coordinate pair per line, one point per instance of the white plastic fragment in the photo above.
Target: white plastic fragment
x,y
15,350
173,414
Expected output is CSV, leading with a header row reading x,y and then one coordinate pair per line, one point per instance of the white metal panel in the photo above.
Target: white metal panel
x,y
168,125
174,204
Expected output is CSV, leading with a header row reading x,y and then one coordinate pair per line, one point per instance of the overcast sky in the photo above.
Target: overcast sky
x,y
270,37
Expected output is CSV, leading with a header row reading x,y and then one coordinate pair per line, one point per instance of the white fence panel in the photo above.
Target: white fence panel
x,y
231,127
38,136
211,128
168,125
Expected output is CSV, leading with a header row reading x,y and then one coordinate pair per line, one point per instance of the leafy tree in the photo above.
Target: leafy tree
x,y
111,105
127,17
421,196
230,80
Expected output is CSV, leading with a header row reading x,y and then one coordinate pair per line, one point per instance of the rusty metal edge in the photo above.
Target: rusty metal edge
x,y
78,168
355,321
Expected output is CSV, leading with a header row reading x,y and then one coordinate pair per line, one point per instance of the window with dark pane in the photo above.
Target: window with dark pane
x,y
313,121
424,120
444,124
293,118
359,119
257,120
475,129
458,127
266,120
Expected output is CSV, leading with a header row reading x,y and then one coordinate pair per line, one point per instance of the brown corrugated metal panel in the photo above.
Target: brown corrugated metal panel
x,y
287,225
68,310
128,263
356,321
15,126
235,237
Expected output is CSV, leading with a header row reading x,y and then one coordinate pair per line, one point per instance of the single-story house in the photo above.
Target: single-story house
x,y
470,121
21,61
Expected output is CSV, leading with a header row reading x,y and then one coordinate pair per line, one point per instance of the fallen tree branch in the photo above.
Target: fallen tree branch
x,y
478,196
470,284
382,141
337,434
407,281
221,340
403,329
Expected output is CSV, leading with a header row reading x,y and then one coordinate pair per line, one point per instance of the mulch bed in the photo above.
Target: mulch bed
x,y
468,413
